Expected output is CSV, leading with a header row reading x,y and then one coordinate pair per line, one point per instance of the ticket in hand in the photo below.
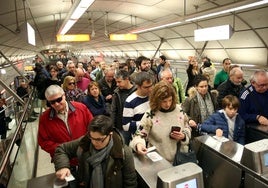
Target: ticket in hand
x,y
69,178
151,149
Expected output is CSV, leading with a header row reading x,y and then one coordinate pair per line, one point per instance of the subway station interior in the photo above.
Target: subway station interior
x,y
160,27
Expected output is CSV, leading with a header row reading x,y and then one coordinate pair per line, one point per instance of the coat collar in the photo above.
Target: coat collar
x,y
116,151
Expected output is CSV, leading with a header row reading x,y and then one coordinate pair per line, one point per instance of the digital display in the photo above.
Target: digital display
x,y
187,184
265,156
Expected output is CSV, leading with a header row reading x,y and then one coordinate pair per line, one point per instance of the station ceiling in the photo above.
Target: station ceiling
x,y
248,44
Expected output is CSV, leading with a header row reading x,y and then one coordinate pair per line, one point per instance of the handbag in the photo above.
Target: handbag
x,y
181,157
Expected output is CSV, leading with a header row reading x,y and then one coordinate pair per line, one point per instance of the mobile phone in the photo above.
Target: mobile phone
x,y
175,128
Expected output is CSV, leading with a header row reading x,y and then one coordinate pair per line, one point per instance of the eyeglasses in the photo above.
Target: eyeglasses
x,y
71,83
98,139
58,100
261,85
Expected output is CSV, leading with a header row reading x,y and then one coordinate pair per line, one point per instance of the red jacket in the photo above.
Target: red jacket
x,y
53,131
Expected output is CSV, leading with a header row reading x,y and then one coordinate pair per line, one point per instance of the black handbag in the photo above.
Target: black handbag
x,y
181,157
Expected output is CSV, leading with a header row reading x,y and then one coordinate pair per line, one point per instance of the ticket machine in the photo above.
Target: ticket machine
x,y
255,156
255,159
186,175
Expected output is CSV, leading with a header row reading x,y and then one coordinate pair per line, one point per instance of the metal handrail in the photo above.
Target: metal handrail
x,y
6,156
8,105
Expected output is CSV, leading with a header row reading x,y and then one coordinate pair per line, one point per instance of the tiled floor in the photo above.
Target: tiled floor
x,y
44,166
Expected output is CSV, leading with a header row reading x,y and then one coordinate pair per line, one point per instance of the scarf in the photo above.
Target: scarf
x,y
95,161
98,104
206,106
231,125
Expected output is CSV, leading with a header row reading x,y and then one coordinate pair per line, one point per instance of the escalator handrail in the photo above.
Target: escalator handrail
x,y
6,156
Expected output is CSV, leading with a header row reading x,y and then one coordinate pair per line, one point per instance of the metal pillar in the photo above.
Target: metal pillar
x,y
162,40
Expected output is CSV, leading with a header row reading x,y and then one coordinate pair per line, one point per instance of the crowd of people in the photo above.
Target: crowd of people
x,y
95,112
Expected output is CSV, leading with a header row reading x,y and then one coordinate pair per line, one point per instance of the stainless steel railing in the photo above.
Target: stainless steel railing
x,y
5,164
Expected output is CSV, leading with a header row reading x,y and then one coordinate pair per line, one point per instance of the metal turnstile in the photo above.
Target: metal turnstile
x,y
255,158
228,164
185,175
219,160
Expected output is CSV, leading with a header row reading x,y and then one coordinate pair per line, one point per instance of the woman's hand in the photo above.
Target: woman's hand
x,y
141,149
62,173
177,135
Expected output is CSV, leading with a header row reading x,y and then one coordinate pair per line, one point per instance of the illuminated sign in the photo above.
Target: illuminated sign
x,y
213,33
73,38
127,36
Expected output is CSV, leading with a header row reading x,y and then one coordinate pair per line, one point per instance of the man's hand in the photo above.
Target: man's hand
x,y
192,123
62,173
263,120
219,132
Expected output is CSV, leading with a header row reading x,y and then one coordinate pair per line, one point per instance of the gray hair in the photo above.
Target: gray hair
x,y
162,72
257,73
53,90
122,74
234,70
142,77
70,62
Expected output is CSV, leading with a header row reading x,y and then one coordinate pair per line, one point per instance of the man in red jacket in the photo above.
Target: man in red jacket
x,y
63,122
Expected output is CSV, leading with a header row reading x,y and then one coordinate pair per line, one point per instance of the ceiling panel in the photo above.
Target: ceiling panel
x,y
125,15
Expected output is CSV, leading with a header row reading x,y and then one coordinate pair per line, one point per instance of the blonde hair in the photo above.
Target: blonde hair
x,y
66,82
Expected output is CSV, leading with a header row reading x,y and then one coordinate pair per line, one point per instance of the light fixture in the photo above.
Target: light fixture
x,y
142,30
27,32
238,6
30,34
73,38
77,10
222,32
92,24
241,5
128,36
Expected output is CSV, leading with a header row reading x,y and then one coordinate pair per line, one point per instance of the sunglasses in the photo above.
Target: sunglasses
x,y
58,100
71,83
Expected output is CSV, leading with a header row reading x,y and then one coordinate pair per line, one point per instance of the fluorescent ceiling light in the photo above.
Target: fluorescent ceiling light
x,y
222,32
73,38
242,7
156,27
77,10
67,26
127,36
